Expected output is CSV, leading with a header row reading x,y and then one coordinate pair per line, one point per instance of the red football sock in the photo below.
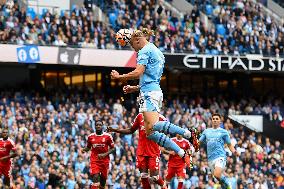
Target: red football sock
x,y
145,183
180,185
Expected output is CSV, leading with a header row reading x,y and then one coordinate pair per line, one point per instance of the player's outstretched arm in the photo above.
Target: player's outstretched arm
x,y
122,131
233,150
11,155
167,151
135,74
86,149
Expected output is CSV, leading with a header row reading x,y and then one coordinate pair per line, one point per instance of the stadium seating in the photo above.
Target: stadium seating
x,y
50,144
230,27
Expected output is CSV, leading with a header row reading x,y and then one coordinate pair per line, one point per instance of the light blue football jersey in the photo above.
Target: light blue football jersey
x,y
215,140
153,60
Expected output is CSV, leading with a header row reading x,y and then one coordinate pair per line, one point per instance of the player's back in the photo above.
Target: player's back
x,y
146,147
175,160
215,140
100,144
154,61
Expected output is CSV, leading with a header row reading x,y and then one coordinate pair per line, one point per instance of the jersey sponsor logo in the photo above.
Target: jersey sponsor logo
x,y
3,149
103,139
98,145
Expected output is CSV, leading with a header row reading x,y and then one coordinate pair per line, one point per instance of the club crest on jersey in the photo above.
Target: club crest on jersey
x,y
141,101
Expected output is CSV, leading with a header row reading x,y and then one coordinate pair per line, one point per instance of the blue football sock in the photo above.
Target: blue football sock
x,y
164,141
225,182
172,129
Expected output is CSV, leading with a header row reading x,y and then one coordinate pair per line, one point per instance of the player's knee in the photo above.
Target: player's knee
x,y
160,126
217,174
180,179
144,175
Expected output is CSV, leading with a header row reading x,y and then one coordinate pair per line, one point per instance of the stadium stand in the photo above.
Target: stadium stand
x,y
239,28
51,131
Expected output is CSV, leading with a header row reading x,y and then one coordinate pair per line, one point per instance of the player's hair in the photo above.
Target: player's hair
x,y
216,114
99,121
145,32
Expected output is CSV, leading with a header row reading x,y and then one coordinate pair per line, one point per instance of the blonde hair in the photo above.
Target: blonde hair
x,y
144,33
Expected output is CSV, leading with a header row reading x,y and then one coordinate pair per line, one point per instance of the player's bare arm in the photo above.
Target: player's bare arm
x,y
167,151
12,155
233,150
103,155
122,131
130,89
85,149
135,74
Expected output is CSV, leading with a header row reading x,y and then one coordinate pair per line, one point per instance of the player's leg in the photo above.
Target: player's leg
x,y
160,138
181,175
170,175
95,175
150,106
152,102
154,164
217,167
6,170
103,176
141,164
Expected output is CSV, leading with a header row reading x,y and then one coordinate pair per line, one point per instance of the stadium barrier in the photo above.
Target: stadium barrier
x,y
126,58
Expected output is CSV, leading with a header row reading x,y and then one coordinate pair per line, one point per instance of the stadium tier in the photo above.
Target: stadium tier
x,y
67,120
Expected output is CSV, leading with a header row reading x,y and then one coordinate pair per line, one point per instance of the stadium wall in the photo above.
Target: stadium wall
x,y
31,54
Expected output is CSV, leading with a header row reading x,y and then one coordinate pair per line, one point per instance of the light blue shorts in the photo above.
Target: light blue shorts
x,y
150,101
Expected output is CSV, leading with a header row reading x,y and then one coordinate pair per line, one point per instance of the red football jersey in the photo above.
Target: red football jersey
x,y
6,146
99,144
176,160
145,146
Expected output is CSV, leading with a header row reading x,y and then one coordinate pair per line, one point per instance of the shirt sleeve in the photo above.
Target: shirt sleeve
x,y
13,146
89,144
136,122
227,138
110,142
202,137
143,58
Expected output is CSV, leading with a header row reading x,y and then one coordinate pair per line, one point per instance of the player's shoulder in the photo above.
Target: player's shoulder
x,y
91,135
146,49
185,141
139,117
107,135
224,131
10,140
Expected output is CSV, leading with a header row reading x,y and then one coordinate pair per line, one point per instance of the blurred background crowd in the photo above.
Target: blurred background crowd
x,y
237,27
51,130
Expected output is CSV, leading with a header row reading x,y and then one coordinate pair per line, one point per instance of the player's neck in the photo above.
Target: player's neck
x,y
99,133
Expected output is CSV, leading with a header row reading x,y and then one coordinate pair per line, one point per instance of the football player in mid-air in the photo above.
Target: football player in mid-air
x,y
149,69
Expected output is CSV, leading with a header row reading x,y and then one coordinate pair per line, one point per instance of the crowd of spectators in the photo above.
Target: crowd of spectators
x,y
239,27
244,27
50,132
